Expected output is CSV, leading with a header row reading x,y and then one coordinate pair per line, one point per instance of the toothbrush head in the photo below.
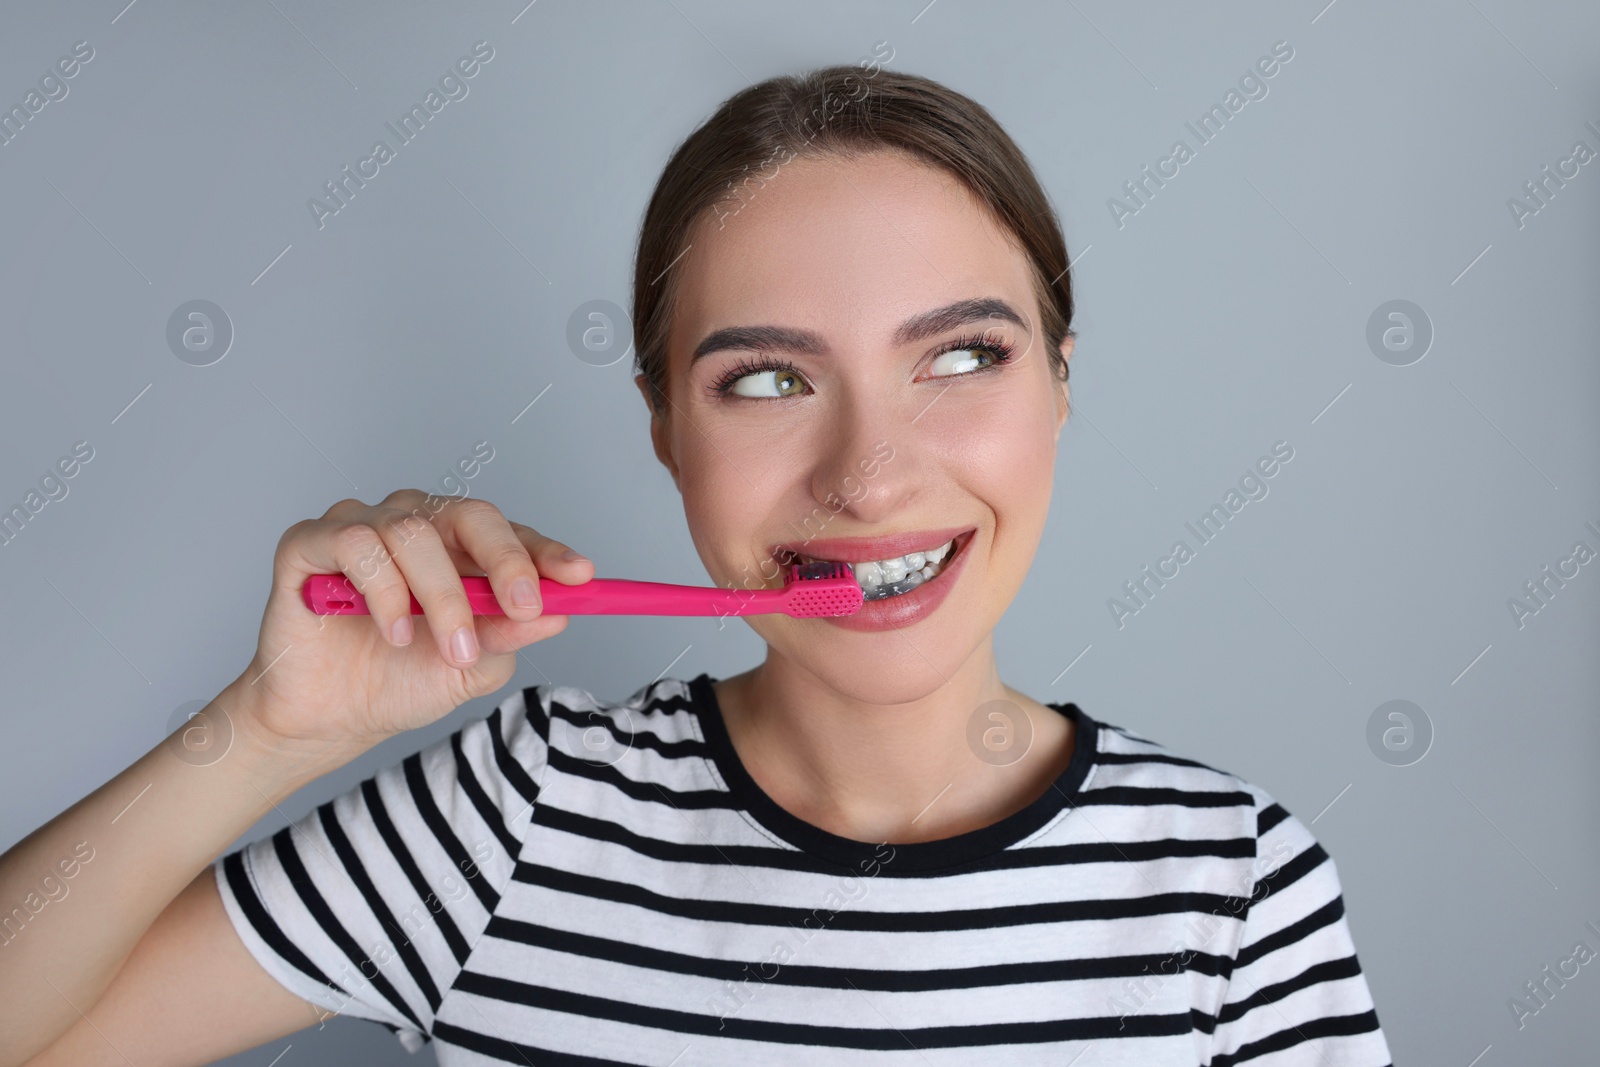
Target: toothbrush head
x,y
822,589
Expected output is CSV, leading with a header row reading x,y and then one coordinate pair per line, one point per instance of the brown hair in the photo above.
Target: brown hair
x,y
843,111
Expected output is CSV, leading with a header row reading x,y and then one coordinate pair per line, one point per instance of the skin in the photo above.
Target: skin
x,y
864,734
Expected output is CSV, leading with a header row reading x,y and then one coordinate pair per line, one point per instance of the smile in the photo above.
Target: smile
x,y
884,578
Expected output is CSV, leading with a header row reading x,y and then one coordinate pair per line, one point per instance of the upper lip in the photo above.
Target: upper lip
x,y
863,549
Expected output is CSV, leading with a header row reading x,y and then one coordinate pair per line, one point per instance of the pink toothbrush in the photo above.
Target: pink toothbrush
x,y
809,590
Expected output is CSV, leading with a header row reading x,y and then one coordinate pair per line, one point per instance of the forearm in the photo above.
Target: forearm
x,y
77,894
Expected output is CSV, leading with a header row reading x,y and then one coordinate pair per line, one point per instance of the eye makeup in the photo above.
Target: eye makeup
x,y
1000,352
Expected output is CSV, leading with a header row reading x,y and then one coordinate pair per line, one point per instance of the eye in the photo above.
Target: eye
x,y
764,379
769,383
970,360
968,356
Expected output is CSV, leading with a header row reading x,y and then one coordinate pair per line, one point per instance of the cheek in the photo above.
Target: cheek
x,y
1002,446
731,487
1010,466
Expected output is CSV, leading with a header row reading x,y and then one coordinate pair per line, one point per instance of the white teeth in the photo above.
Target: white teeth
x,y
902,573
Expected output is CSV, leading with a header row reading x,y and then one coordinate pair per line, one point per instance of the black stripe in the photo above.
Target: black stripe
x,y
885,921
886,1039
696,799
534,710
265,927
369,892
1130,735
402,855
774,858
1283,877
513,1052
1152,795
876,979
1331,1026
487,811
1327,915
1114,851
429,810
1326,971
588,718
300,878
673,704
514,772
1270,816
1153,757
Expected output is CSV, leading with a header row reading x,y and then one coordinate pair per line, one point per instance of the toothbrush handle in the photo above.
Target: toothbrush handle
x,y
623,596
334,594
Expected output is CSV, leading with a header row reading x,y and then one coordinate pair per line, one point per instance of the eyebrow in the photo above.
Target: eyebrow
x,y
805,342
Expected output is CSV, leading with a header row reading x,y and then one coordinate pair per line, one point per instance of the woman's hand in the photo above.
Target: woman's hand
x,y
354,680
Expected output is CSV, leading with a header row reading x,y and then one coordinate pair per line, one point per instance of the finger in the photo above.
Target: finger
x,y
424,505
320,546
432,577
551,557
347,510
502,635
478,528
366,559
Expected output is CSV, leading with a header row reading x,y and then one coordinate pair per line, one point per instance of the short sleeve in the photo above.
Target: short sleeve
x,y
1296,994
369,905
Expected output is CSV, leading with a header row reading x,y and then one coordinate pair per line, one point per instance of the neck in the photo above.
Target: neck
x,y
899,773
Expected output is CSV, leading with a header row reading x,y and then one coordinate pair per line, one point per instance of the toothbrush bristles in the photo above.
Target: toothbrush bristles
x,y
823,589
810,572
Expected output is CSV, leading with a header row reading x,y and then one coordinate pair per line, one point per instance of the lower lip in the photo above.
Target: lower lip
x,y
897,612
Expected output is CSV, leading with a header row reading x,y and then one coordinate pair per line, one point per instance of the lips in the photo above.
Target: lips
x,y
863,549
907,609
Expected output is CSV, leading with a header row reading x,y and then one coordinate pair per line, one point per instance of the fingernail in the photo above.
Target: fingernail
x,y
400,630
572,556
464,644
524,594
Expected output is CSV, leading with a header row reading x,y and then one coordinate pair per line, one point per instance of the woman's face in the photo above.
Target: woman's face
x,y
807,302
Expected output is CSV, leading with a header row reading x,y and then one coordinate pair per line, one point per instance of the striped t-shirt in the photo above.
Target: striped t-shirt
x,y
572,881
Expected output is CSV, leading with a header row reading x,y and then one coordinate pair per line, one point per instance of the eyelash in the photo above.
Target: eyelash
x,y
1001,351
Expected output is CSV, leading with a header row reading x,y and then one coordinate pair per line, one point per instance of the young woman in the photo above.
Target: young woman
x,y
853,316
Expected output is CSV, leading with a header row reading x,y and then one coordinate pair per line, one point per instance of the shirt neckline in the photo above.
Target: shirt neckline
x,y
953,851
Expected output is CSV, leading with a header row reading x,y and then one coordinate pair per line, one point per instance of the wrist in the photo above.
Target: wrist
x,y
279,765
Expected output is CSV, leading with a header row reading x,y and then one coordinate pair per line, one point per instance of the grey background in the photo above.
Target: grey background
x,y
1230,313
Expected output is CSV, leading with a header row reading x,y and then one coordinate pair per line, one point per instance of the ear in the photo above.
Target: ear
x,y
1063,395
659,437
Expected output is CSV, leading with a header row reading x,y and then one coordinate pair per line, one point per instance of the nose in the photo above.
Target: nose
x,y
870,467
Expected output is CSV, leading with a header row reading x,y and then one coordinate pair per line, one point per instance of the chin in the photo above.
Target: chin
x,y
868,679
888,667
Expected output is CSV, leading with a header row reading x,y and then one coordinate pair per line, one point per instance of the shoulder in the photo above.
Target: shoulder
x,y
1269,919
543,724
1191,796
